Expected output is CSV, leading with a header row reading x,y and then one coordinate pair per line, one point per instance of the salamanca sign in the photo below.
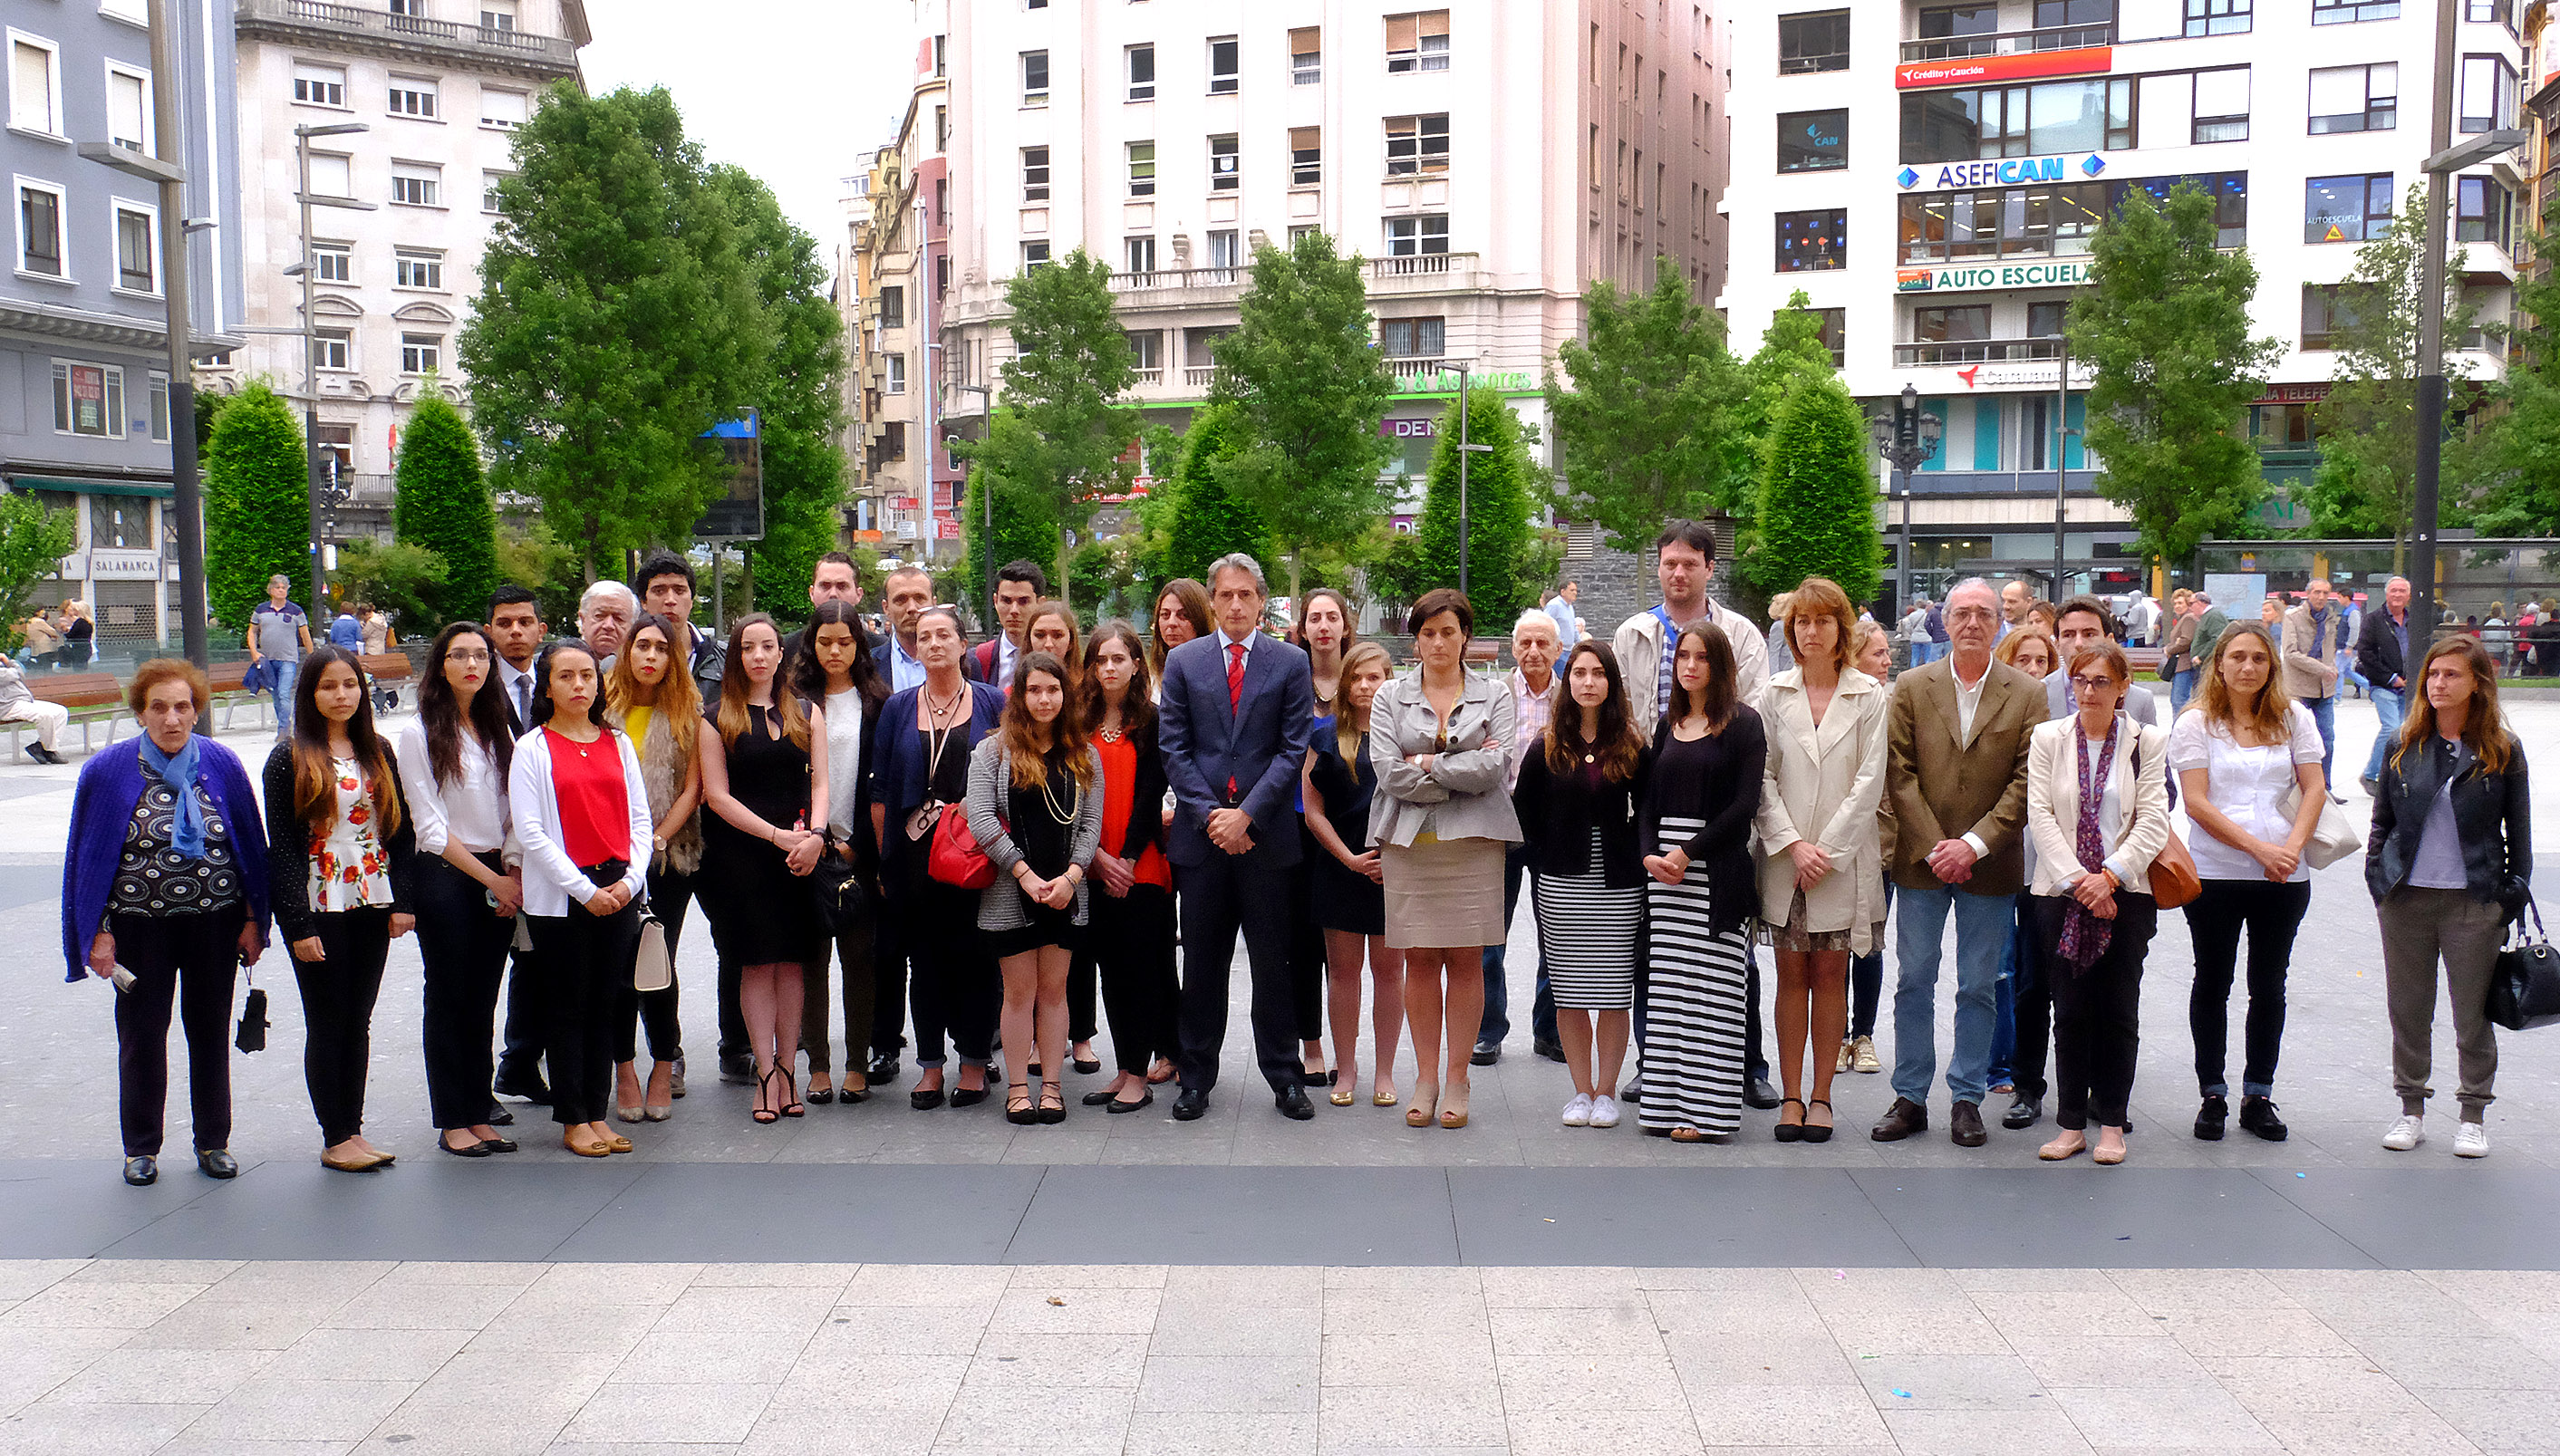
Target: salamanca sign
x,y
2070,273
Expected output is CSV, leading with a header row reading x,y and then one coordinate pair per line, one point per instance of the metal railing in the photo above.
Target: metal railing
x,y
552,51
1977,351
2010,42
1155,280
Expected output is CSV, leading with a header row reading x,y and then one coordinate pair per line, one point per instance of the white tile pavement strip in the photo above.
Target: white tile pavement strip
x,y
199,1357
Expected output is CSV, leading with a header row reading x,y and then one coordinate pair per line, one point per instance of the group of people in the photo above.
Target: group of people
x,y
983,842
67,639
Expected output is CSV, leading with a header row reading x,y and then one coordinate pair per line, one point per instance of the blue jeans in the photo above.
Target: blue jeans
x,y
1982,925
275,676
2180,687
1495,1027
2324,713
2390,707
2005,1016
1923,653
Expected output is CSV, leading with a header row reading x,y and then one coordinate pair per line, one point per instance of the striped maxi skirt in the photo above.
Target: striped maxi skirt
x,y
1693,1053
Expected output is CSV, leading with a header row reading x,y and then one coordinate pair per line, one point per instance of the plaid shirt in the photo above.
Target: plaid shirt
x,y
1529,713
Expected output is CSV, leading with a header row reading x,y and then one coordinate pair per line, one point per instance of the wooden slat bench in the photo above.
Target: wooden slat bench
x,y
92,698
386,671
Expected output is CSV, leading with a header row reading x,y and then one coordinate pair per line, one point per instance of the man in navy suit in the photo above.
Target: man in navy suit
x,y
1233,727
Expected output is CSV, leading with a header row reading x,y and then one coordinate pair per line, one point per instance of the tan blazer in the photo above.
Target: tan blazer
x,y
1823,785
2304,679
1941,789
2053,804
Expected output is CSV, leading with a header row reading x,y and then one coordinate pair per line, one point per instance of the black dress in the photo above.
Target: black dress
x,y
761,913
1048,846
1345,899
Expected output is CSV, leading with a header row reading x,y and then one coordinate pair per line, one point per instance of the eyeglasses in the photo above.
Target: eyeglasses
x,y
2094,685
1970,614
471,658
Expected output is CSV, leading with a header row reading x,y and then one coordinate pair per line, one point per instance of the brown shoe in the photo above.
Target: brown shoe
x,y
1965,1124
1901,1120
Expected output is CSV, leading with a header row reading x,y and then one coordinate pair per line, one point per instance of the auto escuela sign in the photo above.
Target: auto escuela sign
x,y
2058,274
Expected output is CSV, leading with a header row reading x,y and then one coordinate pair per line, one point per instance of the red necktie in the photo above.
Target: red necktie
x,y
1234,690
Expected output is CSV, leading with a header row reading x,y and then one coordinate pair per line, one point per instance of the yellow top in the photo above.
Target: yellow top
x,y
635,721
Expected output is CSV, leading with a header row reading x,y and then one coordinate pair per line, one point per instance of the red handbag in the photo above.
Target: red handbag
x,y
955,859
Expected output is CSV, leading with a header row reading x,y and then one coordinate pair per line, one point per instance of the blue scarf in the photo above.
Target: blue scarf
x,y
178,771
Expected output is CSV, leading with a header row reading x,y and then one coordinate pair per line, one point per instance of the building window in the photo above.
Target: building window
x,y
40,230
1306,55
1221,164
1298,230
417,186
1142,169
2325,309
418,269
1813,242
2355,98
35,85
1408,236
137,255
1835,332
503,110
1035,77
1034,255
410,97
2218,17
1813,141
1142,72
2490,12
489,182
412,9
128,109
1952,324
1417,144
1306,156
2346,208
2230,192
498,15
332,348
2042,121
892,306
89,398
894,381
2482,212
2489,93
319,86
332,174
2055,14
1809,43
420,352
1141,254
1225,249
159,408
1411,338
1417,42
941,128
1222,65
1147,353
2221,110
1034,174
333,263
2347,12
1957,23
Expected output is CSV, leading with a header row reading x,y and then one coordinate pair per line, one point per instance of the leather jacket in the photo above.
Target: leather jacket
x,y
2492,811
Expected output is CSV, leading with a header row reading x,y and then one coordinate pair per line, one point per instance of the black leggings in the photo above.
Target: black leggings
x,y
191,960
2271,913
1130,947
463,945
669,895
338,994
2097,1012
583,958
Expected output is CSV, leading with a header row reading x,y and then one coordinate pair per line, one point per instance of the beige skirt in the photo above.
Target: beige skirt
x,y
1443,893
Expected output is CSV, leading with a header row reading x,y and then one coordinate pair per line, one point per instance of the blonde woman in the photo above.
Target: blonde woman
x,y
652,699
1348,885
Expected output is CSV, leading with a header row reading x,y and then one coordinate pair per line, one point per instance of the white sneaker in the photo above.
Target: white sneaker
x,y
1604,1113
2407,1133
2471,1140
1577,1113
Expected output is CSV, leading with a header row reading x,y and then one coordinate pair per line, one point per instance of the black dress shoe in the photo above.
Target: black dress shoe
x,y
884,1068
475,1150
1965,1124
1634,1092
1758,1092
967,1096
821,1096
1096,1099
1487,1054
1116,1105
924,1099
1086,1066
1900,1121
532,1089
499,1116
2258,1115
2211,1118
2024,1112
216,1163
1293,1104
142,1172
738,1072
1192,1104
499,1145
1551,1051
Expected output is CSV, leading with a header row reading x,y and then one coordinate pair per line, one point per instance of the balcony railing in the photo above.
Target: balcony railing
x,y
551,52
2010,42
1199,375
1408,369
1420,264
1977,351
1149,378
1159,279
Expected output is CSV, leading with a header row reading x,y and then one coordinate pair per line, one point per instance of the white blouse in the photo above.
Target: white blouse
x,y
2246,784
471,812
843,715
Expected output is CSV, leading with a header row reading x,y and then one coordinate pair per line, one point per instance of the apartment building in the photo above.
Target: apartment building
x,y
1487,161
83,316
1929,175
435,89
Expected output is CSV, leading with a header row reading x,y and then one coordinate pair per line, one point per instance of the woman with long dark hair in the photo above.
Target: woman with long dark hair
x,y
1182,613
453,761
650,696
834,670
765,787
338,845
1324,631
581,813
1348,888
1129,927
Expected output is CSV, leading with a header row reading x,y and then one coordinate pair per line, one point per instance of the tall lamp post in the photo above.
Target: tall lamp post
x,y
1906,437
987,548
1465,449
314,482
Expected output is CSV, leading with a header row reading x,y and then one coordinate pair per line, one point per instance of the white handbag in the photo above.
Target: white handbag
x,y
2333,839
652,969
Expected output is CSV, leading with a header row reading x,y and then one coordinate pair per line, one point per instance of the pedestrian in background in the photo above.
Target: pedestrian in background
x,y
2177,655
2310,640
652,701
79,633
1129,927
1349,892
1563,609
2382,656
18,703
279,637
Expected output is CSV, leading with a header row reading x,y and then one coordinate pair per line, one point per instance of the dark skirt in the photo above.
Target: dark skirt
x,y
1048,926
1344,898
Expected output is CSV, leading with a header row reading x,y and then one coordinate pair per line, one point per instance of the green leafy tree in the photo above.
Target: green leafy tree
x,y
404,580
33,542
1499,550
443,509
2368,426
258,506
616,323
2164,326
1791,353
2513,464
1027,526
1817,509
1309,387
1644,427
1208,519
536,559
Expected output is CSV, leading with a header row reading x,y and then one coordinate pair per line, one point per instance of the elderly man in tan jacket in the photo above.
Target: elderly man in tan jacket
x,y
1956,743
2317,642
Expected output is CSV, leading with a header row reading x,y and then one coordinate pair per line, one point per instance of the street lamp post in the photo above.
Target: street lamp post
x,y
1465,449
2061,457
1906,439
987,544
314,482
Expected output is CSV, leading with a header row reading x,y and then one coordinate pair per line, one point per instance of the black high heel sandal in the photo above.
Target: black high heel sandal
x,y
1789,1132
765,1116
1815,1134
1018,1104
791,1104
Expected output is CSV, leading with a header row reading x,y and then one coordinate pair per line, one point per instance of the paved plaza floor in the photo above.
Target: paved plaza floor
x,y
873,1278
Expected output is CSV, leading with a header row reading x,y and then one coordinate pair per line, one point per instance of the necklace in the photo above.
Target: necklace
x,y
934,709
1112,732
1062,814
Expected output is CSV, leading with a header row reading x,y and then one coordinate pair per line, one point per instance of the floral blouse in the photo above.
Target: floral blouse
x,y
350,869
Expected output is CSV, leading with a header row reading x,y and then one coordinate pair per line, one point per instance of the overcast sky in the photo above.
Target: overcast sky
x,y
796,91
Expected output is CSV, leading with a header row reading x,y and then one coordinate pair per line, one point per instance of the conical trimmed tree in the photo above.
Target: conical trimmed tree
x,y
258,506
1817,513
443,505
1497,507
1209,520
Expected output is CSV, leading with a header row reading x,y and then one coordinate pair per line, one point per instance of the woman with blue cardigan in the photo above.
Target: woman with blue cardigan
x,y
165,880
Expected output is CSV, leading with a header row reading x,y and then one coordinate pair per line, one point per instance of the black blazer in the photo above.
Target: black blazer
x,y
2377,650
2493,814
289,846
1557,813
1729,795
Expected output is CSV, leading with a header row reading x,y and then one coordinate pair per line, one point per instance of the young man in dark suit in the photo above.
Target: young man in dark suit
x,y
1018,586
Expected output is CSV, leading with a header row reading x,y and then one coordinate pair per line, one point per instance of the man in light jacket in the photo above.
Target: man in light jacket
x,y
2314,636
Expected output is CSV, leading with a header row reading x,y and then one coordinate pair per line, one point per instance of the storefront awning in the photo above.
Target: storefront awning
x,y
156,489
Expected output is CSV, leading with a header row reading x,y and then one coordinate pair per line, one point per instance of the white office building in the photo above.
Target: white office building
x,y
1929,175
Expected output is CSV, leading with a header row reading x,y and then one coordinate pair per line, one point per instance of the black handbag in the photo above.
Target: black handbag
x,y
2525,985
252,1021
844,901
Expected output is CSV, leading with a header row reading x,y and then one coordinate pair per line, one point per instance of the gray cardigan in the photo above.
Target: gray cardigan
x,y
1002,905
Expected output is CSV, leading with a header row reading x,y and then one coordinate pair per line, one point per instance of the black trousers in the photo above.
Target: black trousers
x,y
1866,980
338,994
889,985
463,945
2033,992
2271,913
1231,893
656,1012
520,1056
855,942
585,958
957,990
191,961
2097,1012
1129,947
735,1048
